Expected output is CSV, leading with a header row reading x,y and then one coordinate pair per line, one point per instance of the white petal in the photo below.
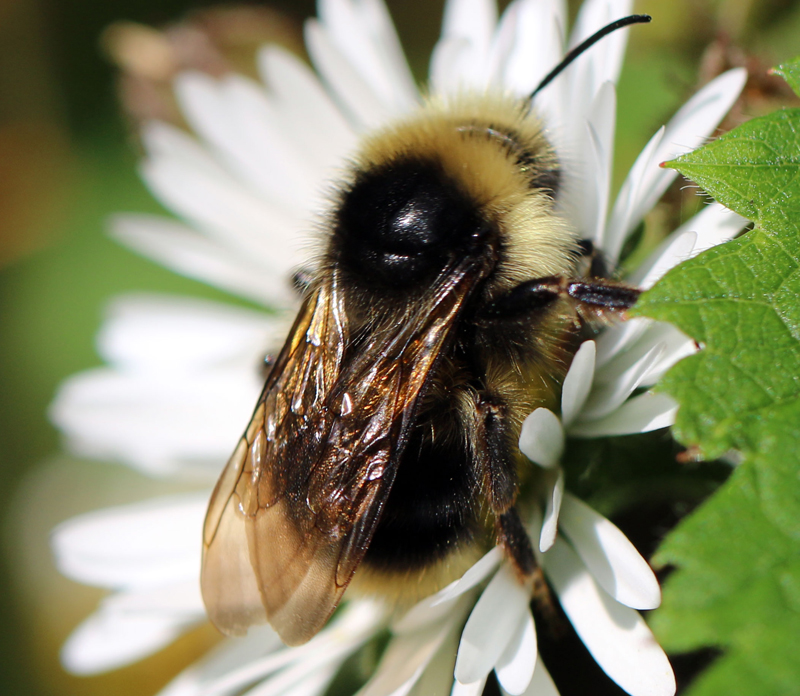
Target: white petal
x,y
601,125
624,214
156,542
687,130
364,34
354,624
431,610
471,23
185,251
157,333
555,480
158,423
489,627
384,36
612,560
606,56
580,82
314,683
407,656
448,57
641,414
516,665
615,635
182,598
618,338
475,575
224,210
437,678
542,438
618,370
538,43
165,140
587,180
542,683
474,689
669,254
236,119
677,347
357,98
714,225
107,641
228,656
606,398
474,20
578,382
326,136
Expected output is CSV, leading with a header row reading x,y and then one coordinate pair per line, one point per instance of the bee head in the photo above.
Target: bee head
x,y
402,222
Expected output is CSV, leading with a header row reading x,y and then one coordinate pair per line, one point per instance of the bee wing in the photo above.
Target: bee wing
x,y
296,507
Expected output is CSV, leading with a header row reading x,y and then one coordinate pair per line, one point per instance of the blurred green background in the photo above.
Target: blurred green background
x,y
68,160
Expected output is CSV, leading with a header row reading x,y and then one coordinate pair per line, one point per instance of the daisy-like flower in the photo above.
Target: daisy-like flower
x,y
182,375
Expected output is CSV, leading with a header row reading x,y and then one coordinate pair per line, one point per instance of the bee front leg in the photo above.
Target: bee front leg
x,y
536,296
493,457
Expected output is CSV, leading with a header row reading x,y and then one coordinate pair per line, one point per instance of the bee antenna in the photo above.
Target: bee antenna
x,y
587,44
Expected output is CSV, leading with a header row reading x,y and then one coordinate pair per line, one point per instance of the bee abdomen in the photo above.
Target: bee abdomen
x,y
432,509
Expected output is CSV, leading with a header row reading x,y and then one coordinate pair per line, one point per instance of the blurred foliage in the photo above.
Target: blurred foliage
x,y
68,161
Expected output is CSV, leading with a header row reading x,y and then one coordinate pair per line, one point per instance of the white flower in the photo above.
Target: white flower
x,y
182,374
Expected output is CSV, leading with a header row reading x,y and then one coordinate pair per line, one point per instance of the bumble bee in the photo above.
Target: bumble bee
x,y
443,309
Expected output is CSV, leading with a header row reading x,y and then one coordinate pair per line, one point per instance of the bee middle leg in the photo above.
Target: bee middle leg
x,y
496,466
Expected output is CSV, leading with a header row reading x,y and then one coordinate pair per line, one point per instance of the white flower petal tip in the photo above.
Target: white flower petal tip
x,y
473,689
611,559
475,575
541,438
516,665
491,626
133,546
578,382
109,640
555,479
615,635
541,683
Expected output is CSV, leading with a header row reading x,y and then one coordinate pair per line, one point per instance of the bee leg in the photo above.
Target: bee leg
x,y
301,281
514,540
536,296
493,453
495,462
496,466
592,261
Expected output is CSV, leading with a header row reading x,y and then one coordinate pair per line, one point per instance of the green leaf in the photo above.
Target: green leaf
x,y
738,556
791,73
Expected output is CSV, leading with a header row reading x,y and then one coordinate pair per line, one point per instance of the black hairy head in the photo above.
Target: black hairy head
x,y
401,223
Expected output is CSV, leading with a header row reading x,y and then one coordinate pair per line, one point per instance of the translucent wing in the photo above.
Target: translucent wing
x,y
296,506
